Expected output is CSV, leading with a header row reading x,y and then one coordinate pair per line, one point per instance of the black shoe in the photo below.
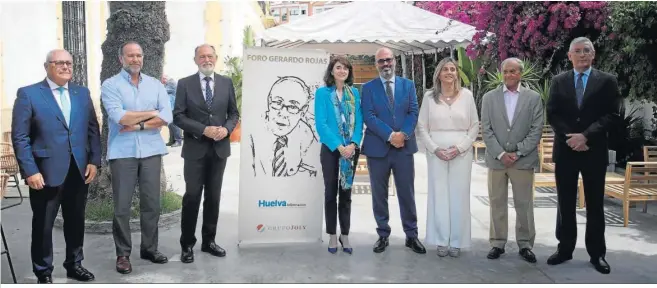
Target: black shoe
x,y
187,255
155,257
79,273
601,265
528,255
415,245
45,279
213,249
170,143
176,144
495,253
381,244
558,258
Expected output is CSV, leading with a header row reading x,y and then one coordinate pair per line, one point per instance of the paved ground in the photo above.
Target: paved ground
x,y
632,251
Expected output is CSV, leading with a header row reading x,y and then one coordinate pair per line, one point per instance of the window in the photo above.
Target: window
x,y
294,12
303,12
75,38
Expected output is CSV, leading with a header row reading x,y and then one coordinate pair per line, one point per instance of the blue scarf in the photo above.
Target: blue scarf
x,y
344,113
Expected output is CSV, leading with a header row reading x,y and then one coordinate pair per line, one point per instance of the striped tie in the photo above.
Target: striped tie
x,y
279,165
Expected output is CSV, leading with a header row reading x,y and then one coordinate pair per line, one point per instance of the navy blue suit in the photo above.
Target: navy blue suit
x,y
44,143
381,120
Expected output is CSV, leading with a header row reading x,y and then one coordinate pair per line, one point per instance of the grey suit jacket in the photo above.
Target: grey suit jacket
x,y
523,135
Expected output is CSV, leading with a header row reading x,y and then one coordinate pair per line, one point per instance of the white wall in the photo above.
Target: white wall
x,y
29,31
238,15
187,28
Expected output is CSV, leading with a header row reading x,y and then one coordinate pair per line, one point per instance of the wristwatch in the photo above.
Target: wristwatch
x,y
141,125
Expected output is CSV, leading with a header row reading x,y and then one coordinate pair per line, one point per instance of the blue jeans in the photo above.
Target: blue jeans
x,y
175,134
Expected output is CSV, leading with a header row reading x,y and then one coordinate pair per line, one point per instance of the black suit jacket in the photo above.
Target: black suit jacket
x,y
192,115
599,113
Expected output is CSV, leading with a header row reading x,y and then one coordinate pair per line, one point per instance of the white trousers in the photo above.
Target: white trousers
x,y
448,203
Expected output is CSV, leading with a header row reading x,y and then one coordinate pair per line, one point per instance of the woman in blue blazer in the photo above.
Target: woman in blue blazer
x,y
339,123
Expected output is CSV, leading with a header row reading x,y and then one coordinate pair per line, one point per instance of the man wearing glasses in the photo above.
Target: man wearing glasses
x,y
584,105
57,144
390,112
281,153
206,110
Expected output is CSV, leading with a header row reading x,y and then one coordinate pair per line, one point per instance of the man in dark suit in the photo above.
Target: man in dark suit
x,y
206,109
390,112
57,144
584,105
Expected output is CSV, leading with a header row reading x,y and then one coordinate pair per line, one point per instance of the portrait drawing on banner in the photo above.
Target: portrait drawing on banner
x,y
290,126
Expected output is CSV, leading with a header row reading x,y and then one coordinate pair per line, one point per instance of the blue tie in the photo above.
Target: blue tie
x,y
66,106
208,92
579,89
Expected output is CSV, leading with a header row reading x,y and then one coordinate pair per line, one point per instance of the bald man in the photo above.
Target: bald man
x,y
390,112
206,110
57,145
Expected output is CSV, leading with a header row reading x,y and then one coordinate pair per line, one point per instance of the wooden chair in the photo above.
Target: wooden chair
x,y
8,163
649,153
640,185
478,143
545,155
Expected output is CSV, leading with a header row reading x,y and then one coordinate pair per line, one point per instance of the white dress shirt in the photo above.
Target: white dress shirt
x,y
55,92
202,76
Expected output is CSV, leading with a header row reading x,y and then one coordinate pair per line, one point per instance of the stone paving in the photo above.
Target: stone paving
x,y
632,251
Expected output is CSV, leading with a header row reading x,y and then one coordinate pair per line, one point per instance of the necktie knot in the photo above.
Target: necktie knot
x,y
60,89
207,79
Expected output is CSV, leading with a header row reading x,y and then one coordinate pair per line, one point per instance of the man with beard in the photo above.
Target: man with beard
x,y
390,112
57,142
137,106
206,109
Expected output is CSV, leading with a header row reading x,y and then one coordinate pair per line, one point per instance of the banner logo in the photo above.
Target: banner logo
x,y
278,203
280,228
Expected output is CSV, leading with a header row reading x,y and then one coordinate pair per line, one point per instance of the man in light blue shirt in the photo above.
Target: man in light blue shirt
x,y
137,106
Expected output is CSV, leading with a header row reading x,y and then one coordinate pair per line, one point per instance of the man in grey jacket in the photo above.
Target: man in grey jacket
x,y
512,123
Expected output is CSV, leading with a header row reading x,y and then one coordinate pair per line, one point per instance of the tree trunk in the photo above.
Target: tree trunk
x,y
143,22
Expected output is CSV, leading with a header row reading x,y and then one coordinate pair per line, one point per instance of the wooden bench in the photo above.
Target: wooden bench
x,y
546,163
362,169
549,180
649,153
478,143
640,185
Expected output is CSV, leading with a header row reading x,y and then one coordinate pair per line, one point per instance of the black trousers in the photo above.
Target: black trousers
x,y
332,208
206,173
72,196
593,176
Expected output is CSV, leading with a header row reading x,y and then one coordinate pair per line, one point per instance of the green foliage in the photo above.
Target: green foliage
x,y
628,50
99,210
234,72
531,77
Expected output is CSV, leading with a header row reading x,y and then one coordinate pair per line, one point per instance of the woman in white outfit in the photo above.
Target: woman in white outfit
x,y
447,126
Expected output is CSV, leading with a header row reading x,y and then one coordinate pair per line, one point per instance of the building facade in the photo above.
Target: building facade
x,y
288,11
81,26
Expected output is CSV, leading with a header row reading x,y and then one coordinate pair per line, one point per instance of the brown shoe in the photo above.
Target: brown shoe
x,y
123,265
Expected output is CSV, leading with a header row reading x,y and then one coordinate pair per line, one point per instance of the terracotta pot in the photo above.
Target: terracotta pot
x,y
237,133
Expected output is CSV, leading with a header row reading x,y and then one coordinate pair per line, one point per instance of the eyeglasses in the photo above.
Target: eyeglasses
x,y
292,109
385,60
585,51
60,64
